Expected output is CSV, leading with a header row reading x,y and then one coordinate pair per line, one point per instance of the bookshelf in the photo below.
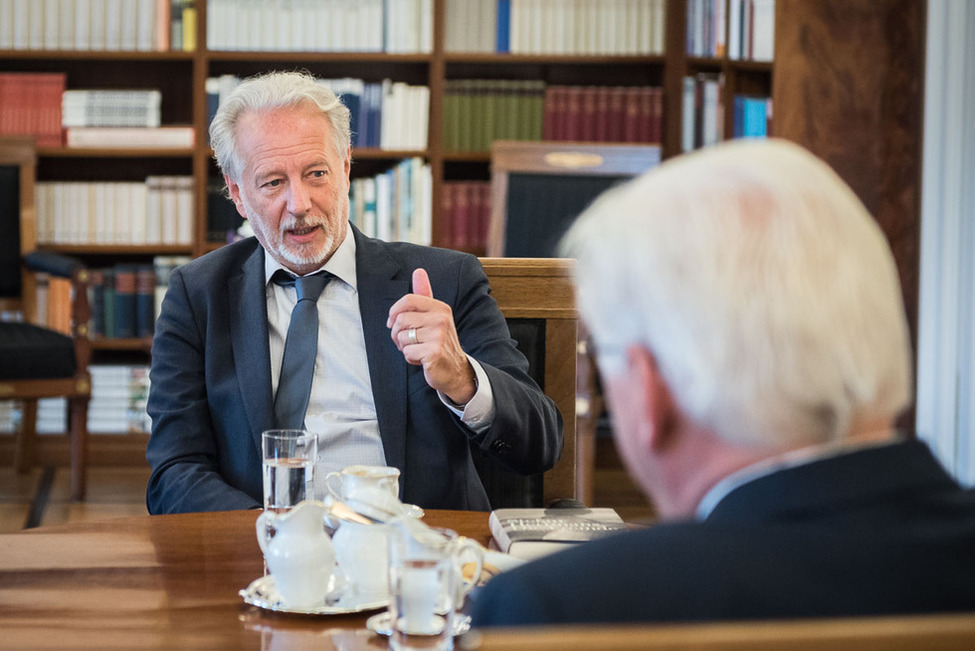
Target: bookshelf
x,y
182,76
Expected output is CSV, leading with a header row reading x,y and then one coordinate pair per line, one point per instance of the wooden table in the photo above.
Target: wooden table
x,y
162,582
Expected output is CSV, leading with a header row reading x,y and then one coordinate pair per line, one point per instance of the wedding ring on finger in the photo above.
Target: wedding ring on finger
x,y
411,335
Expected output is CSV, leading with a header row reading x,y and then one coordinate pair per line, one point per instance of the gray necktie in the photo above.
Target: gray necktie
x,y
300,349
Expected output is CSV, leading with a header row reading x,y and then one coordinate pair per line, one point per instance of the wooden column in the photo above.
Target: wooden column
x,y
849,86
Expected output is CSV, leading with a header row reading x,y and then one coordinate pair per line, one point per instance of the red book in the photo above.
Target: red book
x,y
573,113
485,215
447,215
462,216
548,113
631,119
657,115
602,114
588,117
617,114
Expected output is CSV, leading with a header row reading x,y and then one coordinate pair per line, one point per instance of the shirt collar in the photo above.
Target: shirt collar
x,y
784,461
341,264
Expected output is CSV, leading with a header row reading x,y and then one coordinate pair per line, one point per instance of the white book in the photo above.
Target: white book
x,y
184,209
710,122
113,24
35,26
307,13
6,28
593,25
137,206
297,15
154,216
81,25
338,39
145,38
454,24
384,229
128,24
687,114
763,44
240,33
52,14
167,193
256,27
734,29
97,199
369,225
283,39
97,27
267,34
20,20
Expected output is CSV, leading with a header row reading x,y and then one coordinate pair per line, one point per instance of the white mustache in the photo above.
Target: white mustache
x,y
305,222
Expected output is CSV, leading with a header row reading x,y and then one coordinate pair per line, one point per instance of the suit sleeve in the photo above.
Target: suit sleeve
x,y
182,447
526,434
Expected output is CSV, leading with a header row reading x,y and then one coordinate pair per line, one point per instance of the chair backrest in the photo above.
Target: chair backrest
x,y
537,299
18,230
942,632
538,189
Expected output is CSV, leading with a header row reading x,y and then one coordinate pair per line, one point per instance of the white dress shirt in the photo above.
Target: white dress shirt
x,y
341,408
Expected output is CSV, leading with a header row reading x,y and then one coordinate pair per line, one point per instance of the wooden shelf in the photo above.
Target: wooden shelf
x,y
114,249
94,55
88,152
127,343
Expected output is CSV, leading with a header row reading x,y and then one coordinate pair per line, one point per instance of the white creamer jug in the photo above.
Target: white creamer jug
x,y
300,555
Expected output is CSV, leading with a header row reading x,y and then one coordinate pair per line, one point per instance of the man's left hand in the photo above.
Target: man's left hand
x,y
423,330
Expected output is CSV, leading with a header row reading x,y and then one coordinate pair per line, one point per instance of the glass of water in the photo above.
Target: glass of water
x,y
289,467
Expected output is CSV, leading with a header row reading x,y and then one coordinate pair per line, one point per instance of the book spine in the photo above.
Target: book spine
x,y
145,301
125,290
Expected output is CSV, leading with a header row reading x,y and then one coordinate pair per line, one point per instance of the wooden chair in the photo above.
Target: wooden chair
x,y
36,361
942,632
537,299
539,188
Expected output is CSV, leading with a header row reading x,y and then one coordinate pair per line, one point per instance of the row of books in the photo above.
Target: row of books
x,y
752,117
580,27
30,104
395,205
38,104
740,29
125,299
603,114
392,26
466,213
223,220
111,108
703,109
480,111
384,115
118,404
156,211
125,25
751,29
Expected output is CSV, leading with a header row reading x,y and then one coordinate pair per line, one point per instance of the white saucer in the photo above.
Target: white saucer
x,y
382,624
264,594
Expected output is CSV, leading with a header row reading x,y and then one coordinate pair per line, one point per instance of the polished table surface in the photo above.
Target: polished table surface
x,y
163,582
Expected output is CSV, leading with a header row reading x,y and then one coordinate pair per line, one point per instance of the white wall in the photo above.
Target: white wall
x,y
946,332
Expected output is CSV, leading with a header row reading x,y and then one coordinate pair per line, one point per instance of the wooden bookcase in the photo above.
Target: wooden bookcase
x,y
182,76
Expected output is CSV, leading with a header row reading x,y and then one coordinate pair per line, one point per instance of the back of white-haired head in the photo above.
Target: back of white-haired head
x,y
764,289
268,92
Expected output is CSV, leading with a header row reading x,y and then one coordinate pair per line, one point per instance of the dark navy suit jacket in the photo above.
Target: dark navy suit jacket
x,y
210,395
873,532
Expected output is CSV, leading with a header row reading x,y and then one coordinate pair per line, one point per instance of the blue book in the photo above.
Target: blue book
x,y
754,121
738,128
504,24
125,284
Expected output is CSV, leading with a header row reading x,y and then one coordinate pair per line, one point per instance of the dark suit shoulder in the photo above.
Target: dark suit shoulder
x,y
225,260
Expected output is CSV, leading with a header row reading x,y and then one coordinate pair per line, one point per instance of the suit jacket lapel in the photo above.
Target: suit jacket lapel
x,y
247,301
379,288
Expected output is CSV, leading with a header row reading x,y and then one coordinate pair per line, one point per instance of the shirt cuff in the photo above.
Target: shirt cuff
x,y
478,413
